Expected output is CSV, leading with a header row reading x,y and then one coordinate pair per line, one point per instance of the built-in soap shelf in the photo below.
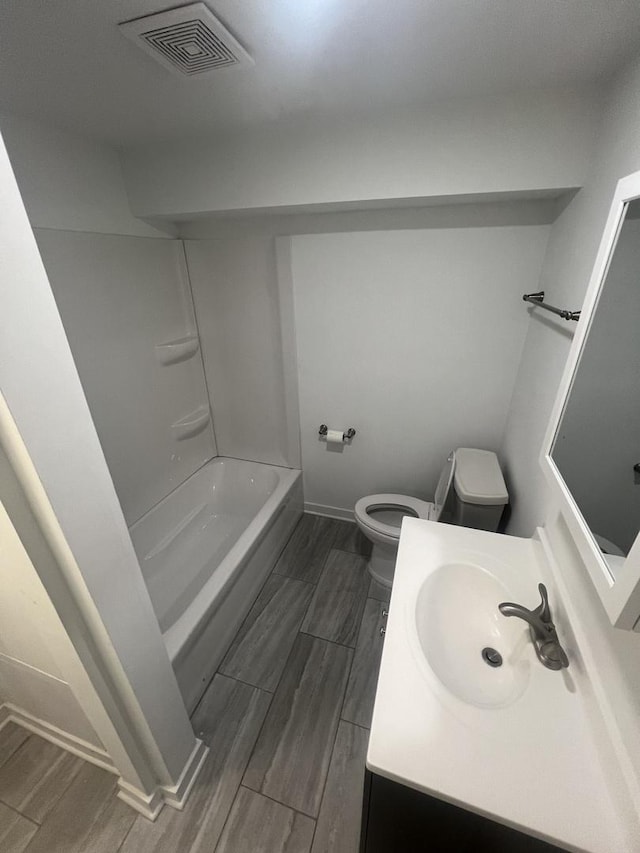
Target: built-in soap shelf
x,y
181,349
191,424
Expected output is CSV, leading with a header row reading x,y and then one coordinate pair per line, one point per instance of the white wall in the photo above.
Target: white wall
x,y
235,291
597,445
527,141
413,338
119,297
32,642
571,253
67,181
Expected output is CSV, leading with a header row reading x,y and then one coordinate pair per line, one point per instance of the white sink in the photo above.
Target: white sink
x,y
457,617
515,743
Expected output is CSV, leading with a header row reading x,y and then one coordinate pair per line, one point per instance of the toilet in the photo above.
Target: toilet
x,y
471,493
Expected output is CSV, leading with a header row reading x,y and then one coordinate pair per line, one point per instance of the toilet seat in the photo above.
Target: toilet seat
x,y
429,510
416,507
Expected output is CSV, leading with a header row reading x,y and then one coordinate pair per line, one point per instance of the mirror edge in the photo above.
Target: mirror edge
x,y
620,599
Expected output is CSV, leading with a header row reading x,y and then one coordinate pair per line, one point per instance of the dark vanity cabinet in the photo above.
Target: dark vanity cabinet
x,y
398,819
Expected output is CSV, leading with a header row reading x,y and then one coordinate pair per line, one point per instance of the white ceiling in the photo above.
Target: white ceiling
x,y
65,61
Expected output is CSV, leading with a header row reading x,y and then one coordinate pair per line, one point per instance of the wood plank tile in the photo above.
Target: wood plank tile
x,y
88,817
229,718
379,592
337,604
349,537
307,550
291,757
36,776
12,736
259,825
338,827
361,689
261,648
16,831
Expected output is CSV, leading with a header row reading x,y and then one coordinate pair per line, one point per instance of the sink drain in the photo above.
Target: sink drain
x,y
491,656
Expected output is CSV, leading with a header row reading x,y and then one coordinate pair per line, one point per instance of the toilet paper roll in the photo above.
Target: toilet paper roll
x,y
335,436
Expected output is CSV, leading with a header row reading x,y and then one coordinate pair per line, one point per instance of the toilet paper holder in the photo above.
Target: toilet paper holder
x,y
324,429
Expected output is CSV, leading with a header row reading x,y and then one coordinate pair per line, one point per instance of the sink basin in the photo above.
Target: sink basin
x,y
457,618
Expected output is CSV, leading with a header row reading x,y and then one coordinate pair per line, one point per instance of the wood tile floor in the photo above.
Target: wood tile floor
x,y
286,719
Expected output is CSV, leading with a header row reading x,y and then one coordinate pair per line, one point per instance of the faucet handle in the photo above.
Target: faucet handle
x,y
543,610
541,613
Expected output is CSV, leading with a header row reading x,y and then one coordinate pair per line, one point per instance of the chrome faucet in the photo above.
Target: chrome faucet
x,y
543,631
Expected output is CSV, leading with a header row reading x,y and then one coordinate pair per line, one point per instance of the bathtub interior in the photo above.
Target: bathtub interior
x,y
183,539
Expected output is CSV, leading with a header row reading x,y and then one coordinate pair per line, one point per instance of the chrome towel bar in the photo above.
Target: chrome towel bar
x,y
538,299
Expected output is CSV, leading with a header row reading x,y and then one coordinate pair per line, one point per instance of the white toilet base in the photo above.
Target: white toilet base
x,y
382,564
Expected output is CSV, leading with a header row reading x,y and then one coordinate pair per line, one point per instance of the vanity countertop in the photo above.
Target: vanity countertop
x,y
532,763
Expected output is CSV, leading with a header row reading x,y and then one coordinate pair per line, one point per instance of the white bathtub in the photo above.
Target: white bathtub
x,y
205,552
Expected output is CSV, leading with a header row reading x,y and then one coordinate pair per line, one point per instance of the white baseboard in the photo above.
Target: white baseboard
x,y
329,511
12,714
176,795
148,805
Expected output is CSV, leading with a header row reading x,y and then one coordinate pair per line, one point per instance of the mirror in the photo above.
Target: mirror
x,y
593,444
597,443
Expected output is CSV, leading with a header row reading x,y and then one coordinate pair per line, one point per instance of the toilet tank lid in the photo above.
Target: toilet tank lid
x,y
478,478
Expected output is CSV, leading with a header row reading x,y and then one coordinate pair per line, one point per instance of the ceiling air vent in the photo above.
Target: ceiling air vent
x,y
188,40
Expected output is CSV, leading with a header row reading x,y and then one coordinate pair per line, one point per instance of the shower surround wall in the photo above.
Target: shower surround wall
x,y
121,298
235,291
125,302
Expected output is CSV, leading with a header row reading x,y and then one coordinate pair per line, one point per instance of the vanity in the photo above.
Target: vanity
x,y
476,743
511,743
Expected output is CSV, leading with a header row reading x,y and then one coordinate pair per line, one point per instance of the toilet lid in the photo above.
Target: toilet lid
x,y
394,503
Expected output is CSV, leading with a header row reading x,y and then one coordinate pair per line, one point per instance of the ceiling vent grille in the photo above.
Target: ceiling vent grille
x,y
189,40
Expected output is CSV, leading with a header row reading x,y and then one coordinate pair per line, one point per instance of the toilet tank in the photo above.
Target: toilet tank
x,y
480,493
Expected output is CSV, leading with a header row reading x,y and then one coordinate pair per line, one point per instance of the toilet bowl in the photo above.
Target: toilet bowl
x,y
470,492
379,517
